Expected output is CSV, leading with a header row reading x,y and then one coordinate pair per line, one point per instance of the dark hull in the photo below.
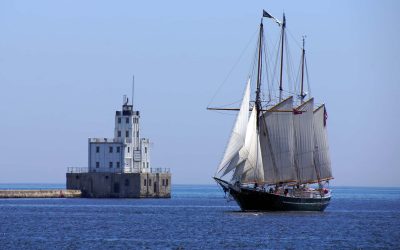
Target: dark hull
x,y
254,200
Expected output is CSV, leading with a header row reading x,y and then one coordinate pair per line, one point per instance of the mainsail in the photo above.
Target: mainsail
x,y
277,143
237,138
304,142
321,148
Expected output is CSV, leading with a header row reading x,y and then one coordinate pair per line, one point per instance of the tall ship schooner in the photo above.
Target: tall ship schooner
x,y
277,157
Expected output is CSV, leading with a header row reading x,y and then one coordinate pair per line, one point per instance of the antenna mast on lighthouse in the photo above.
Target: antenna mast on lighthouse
x,y
133,88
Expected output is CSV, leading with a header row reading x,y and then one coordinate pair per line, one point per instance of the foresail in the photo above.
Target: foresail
x,y
239,161
253,167
250,154
304,142
236,140
277,143
321,147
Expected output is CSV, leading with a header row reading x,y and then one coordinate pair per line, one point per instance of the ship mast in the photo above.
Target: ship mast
x,y
282,47
302,95
258,91
259,70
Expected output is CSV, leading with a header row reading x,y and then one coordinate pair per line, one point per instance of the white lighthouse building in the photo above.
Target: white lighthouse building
x,y
120,167
127,152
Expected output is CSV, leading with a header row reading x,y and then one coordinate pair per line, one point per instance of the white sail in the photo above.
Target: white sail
x,y
253,167
277,143
236,140
251,154
238,162
304,142
321,149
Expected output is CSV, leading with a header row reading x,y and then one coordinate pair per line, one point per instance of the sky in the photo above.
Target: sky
x,y
65,65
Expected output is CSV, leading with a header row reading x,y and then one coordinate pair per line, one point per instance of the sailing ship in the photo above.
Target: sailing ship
x,y
277,157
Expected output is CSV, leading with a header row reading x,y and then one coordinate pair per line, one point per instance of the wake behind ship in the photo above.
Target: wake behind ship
x,y
277,157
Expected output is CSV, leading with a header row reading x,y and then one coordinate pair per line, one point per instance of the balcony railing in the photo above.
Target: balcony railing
x,y
110,140
77,170
160,170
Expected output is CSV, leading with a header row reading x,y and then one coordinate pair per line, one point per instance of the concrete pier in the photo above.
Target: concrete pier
x,y
60,193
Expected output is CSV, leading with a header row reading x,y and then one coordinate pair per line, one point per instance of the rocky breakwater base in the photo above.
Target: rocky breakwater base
x,y
60,193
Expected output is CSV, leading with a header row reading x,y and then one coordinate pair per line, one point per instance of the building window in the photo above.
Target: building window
x,y
97,164
119,119
145,150
127,120
118,149
97,149
144,166
166,182
119,133
137,134
147,165
110,164
118,164
149,182
144,182
127,133
128,149
111,149
163,182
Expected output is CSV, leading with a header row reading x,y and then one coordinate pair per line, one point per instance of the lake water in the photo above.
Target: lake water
x,y
198,217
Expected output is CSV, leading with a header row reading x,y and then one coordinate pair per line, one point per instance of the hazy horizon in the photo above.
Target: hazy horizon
x,y
65,66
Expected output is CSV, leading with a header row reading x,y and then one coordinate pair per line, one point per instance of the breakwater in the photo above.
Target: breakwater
x,y
59,193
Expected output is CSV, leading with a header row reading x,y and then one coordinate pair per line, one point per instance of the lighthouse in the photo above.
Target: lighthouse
x,y
119,167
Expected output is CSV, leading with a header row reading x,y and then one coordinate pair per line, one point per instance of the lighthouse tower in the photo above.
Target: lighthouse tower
x,y
127,131
126,152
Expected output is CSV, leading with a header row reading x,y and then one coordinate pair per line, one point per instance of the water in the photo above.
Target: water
x,y
197,217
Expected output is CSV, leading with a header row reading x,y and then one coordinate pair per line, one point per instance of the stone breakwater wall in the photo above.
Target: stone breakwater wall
x,y
60,193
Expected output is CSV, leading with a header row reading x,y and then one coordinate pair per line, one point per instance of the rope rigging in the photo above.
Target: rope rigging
x,y
233,68
268,93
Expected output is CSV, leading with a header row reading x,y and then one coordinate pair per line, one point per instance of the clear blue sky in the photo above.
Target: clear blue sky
x,y
64,66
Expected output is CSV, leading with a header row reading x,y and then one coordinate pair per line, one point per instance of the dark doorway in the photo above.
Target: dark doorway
x,y
155,187
116,187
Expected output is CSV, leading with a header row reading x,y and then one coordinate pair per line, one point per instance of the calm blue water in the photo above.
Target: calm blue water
x,y
197,217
